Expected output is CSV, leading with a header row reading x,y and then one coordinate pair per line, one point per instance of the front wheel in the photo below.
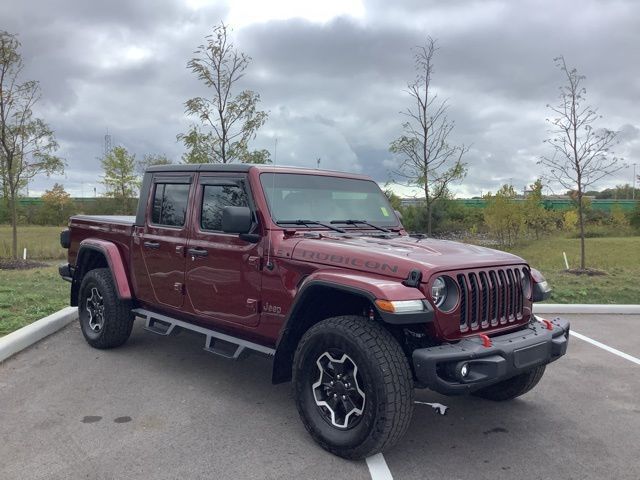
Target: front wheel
x,y
105,320
353,386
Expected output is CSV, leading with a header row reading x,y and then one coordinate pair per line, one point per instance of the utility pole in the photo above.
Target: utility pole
x,y
107,144
318,163
633,192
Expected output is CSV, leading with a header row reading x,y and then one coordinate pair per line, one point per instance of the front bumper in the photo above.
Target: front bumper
x,y
438,368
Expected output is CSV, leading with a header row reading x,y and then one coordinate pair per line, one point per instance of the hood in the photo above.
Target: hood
x,y
398,256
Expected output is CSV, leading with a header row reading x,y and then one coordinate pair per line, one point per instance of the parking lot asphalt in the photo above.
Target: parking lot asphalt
x,y
163,408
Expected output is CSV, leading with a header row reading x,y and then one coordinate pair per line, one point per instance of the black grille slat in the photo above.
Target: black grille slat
x,y
504,314
463,302
485,298
473,283
494,298
519,293
512,295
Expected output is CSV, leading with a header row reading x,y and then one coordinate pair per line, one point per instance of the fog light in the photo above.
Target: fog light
x,y
464,370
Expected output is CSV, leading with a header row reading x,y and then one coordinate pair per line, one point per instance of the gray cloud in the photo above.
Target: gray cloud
x,y
334,90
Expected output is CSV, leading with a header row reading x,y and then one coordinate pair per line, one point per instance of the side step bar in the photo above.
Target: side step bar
x,y
218,343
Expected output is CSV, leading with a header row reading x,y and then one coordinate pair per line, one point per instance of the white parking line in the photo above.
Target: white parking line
x,y
626,356
378,468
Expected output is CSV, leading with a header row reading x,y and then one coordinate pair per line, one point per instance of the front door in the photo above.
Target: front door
x,y
164,239
223,271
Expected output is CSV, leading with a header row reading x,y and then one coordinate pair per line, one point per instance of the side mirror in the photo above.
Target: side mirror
x,y
236,220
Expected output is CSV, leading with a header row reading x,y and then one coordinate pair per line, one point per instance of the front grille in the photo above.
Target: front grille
x,y
490,298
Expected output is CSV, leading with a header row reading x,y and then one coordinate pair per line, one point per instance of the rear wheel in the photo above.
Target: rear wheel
x,y
512,387
353,386
105,320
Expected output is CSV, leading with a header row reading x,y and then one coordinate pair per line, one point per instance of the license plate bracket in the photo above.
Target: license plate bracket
x,y
531,355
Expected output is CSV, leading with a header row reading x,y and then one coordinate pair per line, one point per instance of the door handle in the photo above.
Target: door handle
x,y
197,252
153,245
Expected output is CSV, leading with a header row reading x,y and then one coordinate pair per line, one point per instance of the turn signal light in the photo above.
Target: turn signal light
x,y
400,306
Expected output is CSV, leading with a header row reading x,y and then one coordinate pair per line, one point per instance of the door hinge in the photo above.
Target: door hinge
x,y
252,304
255,262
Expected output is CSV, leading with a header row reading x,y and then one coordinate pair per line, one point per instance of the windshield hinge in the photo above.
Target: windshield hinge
x,y
414,279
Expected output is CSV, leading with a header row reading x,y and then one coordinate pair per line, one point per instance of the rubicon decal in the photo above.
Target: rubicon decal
x,y
346,260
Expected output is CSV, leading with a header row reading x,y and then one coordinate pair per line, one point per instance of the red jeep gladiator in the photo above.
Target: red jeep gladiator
x,y
314,269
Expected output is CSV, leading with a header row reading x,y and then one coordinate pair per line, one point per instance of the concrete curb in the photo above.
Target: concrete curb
x,y
586,308
27,336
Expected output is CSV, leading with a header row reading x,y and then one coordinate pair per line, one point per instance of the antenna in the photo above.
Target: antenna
x,y
269,265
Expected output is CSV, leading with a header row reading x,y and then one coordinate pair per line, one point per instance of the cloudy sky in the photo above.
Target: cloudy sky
x,y
332,74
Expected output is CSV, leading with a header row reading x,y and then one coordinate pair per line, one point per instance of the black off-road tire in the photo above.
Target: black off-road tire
x,y
117,316
385,377
512,387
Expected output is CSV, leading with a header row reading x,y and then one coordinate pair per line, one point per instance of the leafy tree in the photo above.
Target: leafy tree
x,y
256,156
536,218
503,216
27,144
150,160
570,219
618,218
581,153
394,200
620,192
227,121
429,160
120,177
57,206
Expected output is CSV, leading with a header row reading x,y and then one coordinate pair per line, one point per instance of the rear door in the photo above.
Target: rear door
x,y
164,239
223,271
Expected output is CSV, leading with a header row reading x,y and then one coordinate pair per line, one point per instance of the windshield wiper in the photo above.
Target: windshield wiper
x,y
311,222
362,222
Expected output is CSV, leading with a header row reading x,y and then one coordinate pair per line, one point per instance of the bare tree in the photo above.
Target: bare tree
x,y
428,159
26,143
581,153
230,122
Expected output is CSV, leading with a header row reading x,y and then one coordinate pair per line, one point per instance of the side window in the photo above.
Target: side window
x,y
170,204
214,199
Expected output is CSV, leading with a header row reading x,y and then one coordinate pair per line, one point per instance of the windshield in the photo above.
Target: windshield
x,y
326,199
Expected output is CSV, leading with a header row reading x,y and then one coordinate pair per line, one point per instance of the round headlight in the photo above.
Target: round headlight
x,y
439,291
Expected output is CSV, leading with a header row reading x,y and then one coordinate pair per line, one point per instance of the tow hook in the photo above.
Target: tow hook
x,y
547,324
486,341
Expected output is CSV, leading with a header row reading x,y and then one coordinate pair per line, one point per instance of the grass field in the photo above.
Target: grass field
x,y
618,256
27,295
42,243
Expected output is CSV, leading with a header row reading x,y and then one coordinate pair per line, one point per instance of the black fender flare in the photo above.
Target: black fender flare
x,y
290,335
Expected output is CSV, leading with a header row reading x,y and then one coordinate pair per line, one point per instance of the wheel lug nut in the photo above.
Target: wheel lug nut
x,y
335,395
344,397
331,383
